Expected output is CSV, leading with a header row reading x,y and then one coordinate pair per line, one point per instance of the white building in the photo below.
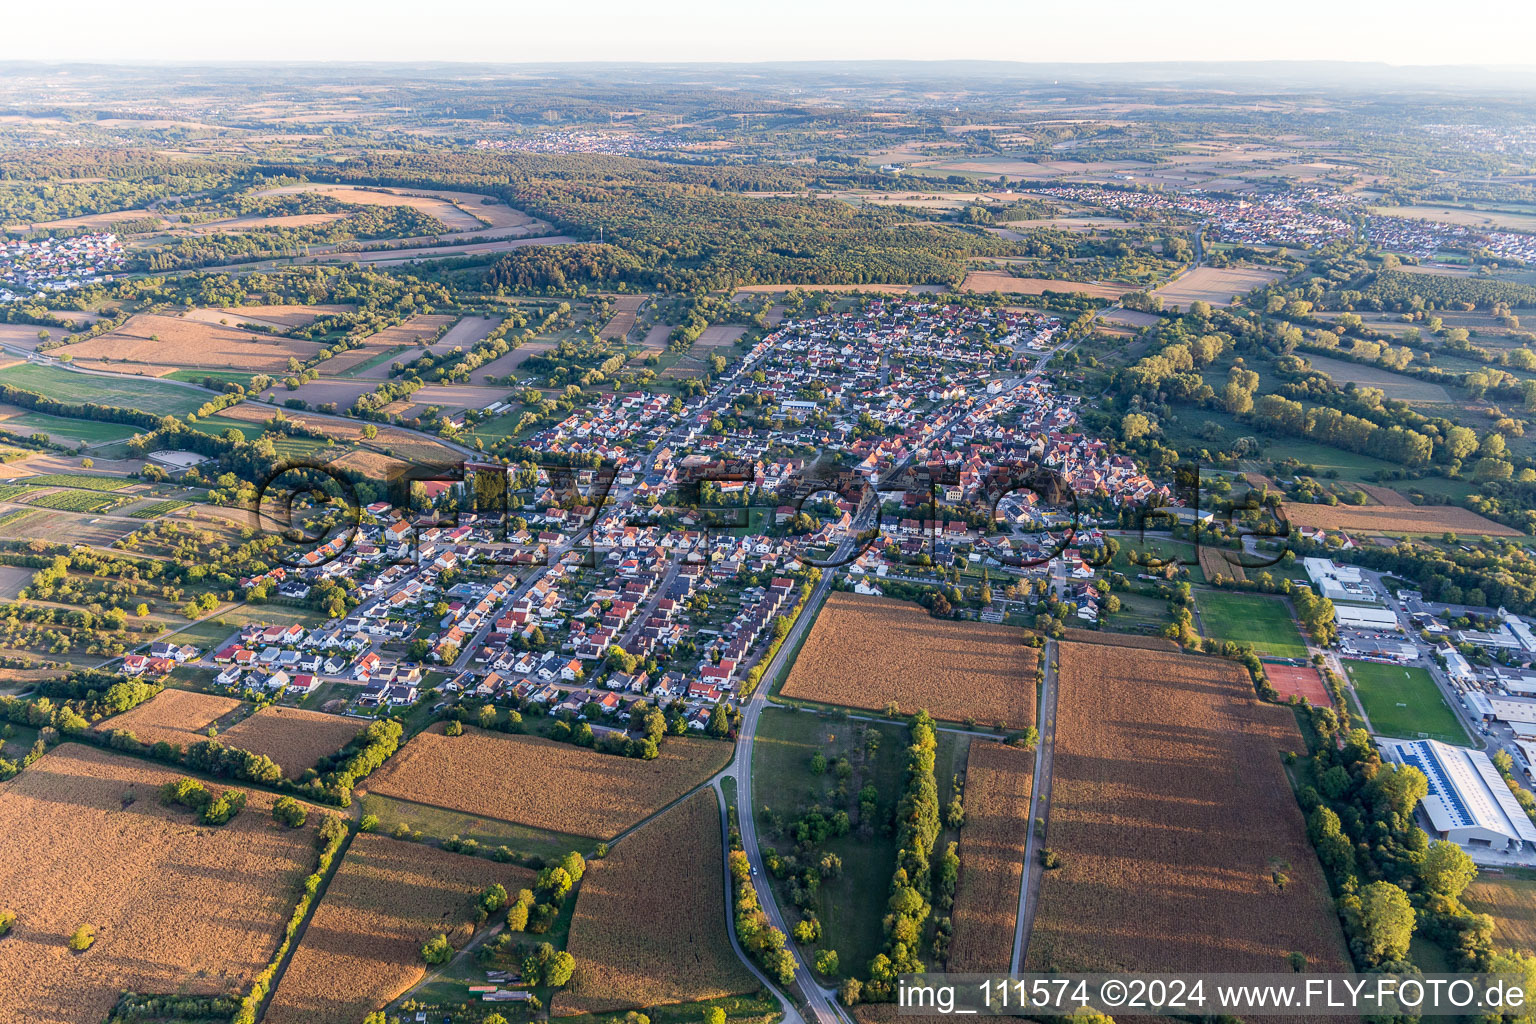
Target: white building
x,y
1468,801
1337,582
1514,709
1354,616
1456,666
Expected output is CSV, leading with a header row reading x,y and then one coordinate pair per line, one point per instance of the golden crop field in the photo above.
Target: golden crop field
x,y
362,948
177,906
294,739
173,341
181,717
1428,519
866,652
1172,814
1511,902
997,788
1216,562
539,782
1215,285
650,923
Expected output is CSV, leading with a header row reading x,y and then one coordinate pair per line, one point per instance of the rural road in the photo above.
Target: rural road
x,y
791,1011
1039,809
822,1001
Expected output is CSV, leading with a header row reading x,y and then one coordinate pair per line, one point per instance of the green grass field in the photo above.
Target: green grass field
x,y
218,376
146,395
85,482
67,428
851,921
1262,621
1404,703
156,509
78,501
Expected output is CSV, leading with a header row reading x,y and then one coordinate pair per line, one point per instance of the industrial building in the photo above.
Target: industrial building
x,y
1354,616
1514,709
1337,582
1468,801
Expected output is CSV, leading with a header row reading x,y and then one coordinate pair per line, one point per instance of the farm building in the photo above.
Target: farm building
x,y
1354,616
1468,802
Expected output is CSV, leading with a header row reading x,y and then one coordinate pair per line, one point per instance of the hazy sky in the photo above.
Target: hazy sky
x,y
1404,32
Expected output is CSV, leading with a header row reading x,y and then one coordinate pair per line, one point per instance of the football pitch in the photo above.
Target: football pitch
x,y
1404,703
1262,621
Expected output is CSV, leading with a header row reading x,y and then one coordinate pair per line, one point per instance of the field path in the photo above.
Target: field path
x,y
1039,810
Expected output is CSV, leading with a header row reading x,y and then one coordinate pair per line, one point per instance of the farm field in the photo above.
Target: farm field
x,y
177,906
1396,386
1410,519
515,777
1257,619
873,289
649,928
1215,285
997,281
152,339
866,652
1510,899
506,365
62,429
175,716
997,822
1216,562
783,784
717,336
626,312
1404,702
409,333
1299,681
362,948
77,501
458,211
294,739
1493,220
342,391
1170,805
50,525
281,318
83,388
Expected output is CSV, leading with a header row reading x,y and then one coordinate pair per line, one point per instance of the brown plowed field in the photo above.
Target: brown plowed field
x,y
539,782
150,338
866,652
1171,812
997,787
1395,519
634,951
362,948
294,739
175,716
177,906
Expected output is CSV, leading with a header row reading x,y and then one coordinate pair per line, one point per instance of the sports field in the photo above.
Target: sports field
x,y
1262,621
1404,703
